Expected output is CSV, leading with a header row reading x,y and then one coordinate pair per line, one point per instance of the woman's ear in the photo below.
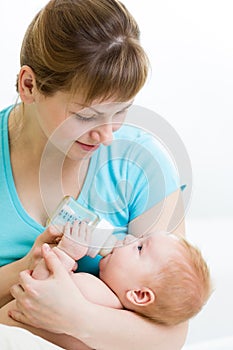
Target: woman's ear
x,y
143,296
26,84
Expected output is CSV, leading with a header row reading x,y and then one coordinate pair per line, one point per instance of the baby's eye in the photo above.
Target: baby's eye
x,y
139,247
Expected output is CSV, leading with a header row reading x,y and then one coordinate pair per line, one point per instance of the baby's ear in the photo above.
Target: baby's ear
x,y
143,296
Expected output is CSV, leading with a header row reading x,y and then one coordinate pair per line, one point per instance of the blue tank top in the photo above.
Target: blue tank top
x,y
124,180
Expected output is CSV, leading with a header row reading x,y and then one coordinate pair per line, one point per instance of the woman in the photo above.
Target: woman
x,y
81,67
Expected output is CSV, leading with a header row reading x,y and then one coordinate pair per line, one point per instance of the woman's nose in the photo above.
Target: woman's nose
x,y
103,134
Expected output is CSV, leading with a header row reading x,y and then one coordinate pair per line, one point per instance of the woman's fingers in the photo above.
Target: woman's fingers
x,y
16,290
37,300
26,284
52,262
50,235
17,315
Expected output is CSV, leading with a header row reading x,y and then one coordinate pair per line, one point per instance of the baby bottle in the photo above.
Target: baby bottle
x,y
102,238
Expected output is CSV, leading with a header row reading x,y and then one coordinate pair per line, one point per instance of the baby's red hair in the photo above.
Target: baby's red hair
x,y
181,288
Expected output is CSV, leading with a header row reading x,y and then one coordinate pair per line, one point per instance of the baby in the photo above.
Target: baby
x,y
160,276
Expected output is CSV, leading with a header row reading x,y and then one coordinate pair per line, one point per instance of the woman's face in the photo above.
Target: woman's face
x,y
75,129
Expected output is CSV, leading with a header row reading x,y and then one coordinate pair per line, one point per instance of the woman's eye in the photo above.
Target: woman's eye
x,y
84,119
120,113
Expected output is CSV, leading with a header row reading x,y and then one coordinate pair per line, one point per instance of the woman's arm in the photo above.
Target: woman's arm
x,y
9,274
128,330
65,341
97,326
165,216
91,287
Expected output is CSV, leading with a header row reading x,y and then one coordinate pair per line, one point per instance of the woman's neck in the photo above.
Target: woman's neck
x,y
25,133
42,175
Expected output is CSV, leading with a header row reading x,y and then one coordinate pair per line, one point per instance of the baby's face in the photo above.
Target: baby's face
x,y
128,267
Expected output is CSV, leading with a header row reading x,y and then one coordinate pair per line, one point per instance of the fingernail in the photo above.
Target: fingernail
x,y
47,247
52,229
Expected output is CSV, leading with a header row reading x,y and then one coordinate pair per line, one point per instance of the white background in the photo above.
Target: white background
x,y
190,47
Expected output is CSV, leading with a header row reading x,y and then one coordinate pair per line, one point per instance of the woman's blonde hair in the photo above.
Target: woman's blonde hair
x,y
85,46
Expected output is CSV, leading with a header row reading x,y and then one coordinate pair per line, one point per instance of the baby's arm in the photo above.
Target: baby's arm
x,y
73,246
96,291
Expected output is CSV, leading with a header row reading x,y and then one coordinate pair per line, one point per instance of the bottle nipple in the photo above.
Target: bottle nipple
x,y
102,239
108,246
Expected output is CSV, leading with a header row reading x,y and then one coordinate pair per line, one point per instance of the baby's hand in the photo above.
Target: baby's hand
x,y
76,239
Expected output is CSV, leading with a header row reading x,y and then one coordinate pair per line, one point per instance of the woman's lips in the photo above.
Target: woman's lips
x,y
87,148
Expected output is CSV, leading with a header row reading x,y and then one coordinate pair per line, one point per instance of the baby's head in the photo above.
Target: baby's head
x,y
161,276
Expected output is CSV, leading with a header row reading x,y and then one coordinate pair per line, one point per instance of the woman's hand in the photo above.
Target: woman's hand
x,y
57,305
52,304
49,236
10,273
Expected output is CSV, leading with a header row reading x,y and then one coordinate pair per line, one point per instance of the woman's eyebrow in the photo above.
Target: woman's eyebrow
x,y
94,110
84,107
129,105
102,113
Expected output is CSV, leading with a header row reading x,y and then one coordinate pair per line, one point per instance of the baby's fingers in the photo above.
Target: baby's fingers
x,y
79,231
67,230
85,233
88,234
75,234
